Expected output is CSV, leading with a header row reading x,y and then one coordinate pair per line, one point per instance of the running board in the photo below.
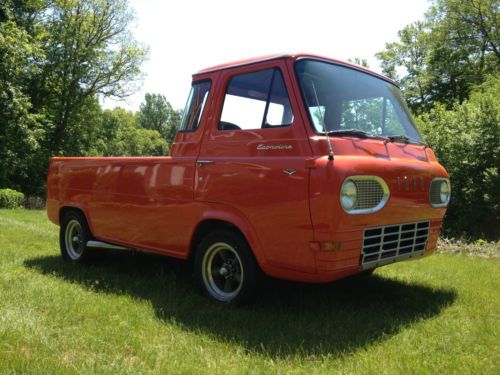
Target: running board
x,y
105,245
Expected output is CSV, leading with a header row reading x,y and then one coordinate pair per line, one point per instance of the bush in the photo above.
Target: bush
x,y
466,142
34,203
11,199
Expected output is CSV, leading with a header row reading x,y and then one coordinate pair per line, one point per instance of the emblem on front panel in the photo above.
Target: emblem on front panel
x,y
411,183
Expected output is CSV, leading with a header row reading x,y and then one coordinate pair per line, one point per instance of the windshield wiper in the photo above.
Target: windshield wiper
x,y
364,134
406,139
357,133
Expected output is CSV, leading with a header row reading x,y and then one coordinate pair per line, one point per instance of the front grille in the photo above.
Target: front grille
x,y
370,194
382,245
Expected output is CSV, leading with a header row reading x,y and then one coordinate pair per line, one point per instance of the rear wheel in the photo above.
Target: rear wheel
x,y
73,236
225,268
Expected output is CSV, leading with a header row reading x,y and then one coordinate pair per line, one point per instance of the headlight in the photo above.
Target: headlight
x,y
439,193
363,194
444,191
348,195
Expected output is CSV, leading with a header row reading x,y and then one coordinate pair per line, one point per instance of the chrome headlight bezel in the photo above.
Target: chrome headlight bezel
x,y
351,210
444,192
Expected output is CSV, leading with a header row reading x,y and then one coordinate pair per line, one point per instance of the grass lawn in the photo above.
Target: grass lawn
x,y
139,313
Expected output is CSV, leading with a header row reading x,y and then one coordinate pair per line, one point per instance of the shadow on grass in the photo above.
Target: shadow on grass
x,y
286,319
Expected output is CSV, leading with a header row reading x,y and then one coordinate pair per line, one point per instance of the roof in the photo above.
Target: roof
x,y
293,56
249,61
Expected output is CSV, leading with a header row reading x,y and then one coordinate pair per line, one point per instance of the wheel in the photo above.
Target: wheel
x,y
73,236
225,268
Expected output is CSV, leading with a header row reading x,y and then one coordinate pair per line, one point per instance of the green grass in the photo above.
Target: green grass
x,y
138,313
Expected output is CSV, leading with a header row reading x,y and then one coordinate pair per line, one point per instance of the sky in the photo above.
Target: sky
x,y
186,36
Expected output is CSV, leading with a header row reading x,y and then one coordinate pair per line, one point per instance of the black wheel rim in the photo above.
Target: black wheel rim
x,y
222,271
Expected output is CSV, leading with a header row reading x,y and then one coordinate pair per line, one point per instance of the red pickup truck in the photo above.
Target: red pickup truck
x,y
298,166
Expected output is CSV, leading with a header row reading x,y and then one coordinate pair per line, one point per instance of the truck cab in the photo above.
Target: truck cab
x,y
297,166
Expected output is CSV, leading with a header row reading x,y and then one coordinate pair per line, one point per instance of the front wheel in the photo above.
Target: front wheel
x,y
225,268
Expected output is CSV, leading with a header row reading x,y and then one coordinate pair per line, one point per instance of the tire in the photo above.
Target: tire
x,y
73,236
225,268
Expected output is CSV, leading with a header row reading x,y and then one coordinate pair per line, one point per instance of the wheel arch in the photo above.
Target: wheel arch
x,y
225,221
67,208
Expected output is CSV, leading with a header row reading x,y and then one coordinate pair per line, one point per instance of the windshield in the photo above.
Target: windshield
x,y
340,98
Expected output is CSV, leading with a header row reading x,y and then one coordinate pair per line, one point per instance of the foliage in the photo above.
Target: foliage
x,y
122,136
156,113
478,248
138,313
447,66
57,58
409,54
466,142
20,129
90,52
34,203
440,59
11,198
360,61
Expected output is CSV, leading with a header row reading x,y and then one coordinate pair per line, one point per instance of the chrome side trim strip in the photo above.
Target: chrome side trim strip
x,y
105,245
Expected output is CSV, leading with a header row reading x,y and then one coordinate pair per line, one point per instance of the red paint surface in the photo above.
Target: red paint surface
x,y
156,203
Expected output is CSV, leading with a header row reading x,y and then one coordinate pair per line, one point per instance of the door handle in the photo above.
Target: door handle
x,y
200,163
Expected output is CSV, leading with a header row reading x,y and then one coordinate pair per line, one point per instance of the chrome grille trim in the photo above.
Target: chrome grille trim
x,y
390,243
373,194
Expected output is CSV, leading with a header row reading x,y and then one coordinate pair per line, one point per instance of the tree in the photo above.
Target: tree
x,y
409,56
56,59
121,136
465,140
89,52
360,61
156,113
472,24
440,59
465,48
22,12
20,129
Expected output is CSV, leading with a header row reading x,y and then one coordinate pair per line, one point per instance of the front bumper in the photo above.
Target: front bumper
x,y
371,247
392,243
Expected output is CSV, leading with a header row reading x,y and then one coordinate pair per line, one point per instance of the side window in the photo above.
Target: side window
x,y
194,106
318,117
256,100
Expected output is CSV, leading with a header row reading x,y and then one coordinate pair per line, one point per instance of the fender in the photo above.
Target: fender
x,y
223,212
78,205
